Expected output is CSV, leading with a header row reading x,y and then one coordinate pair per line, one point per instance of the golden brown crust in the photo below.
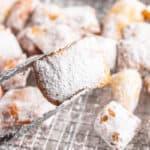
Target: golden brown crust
x,y
53,101
17,123
107,78
146,14
104,119
146,84
59,52
115,136
13,110
123,90
1,92
111,112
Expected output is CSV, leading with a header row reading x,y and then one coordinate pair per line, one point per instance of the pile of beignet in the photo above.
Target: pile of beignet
x,y
81,53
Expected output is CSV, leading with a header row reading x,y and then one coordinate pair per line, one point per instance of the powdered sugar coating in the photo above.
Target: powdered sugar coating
x,y
116,125
11,55
82,17
79,66
9,50
126,87
78,17
48,38
133,50
147,83
122,13
20,13
46,14
108,48
21,106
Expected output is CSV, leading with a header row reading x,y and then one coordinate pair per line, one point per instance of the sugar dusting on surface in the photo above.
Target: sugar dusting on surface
x,y
78,66
133,50
27,103
119,130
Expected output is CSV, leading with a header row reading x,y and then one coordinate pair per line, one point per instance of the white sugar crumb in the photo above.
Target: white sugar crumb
x,y
116,125
23,105
133,50
123,90
76,67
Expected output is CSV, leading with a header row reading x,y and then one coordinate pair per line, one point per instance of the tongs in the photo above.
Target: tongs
x,y
25,128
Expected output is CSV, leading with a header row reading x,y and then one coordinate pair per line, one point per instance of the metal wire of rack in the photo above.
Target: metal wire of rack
x,y
72,128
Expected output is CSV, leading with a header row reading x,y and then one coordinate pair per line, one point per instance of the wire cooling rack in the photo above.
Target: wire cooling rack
x,y
72,128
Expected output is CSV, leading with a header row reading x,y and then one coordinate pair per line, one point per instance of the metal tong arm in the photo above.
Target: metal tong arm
x,y
25,128
19,68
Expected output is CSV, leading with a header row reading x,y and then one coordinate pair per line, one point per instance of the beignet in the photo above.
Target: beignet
x,y
64,73
126,87
133,50
10,56
122,13
20,13
21,106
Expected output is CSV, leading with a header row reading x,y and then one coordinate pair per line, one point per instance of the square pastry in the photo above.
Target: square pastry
x,y
116,125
